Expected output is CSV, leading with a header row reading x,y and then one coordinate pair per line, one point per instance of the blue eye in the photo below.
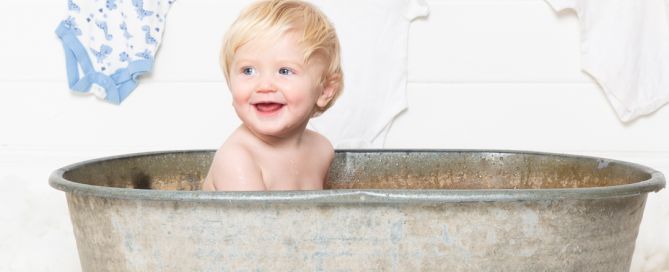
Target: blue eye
x,y
285,71
249,71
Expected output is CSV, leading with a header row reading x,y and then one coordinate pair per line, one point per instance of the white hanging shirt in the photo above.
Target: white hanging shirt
x,y
374,37
625,47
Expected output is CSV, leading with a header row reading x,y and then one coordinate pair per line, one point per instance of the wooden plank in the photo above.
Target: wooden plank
x,y
168,115
528,116
499,116
494,41
461,41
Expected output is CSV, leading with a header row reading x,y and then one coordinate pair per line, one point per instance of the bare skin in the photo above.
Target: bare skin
x,y
300,164
275,93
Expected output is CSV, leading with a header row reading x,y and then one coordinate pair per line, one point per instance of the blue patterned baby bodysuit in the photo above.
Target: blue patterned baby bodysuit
x,y
111,43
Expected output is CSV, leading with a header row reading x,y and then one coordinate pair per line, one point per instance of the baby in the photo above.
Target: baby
x,y
281,62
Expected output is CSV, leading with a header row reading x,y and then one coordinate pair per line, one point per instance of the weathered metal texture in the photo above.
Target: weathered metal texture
x,y
509,211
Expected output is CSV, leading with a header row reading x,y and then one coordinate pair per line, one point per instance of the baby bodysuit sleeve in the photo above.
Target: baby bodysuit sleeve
x,y
417,8
559,5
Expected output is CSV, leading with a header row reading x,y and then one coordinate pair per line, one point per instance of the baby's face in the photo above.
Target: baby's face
x,y
274,91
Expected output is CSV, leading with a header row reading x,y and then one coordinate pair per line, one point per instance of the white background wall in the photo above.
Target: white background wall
x,y
484,74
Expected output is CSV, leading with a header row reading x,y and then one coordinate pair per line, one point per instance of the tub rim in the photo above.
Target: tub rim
x,y
416,196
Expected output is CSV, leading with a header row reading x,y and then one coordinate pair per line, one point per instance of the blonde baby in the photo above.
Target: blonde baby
x,y
281,61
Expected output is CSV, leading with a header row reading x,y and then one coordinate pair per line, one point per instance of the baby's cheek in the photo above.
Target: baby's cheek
x,y
239,104
303,102
239,97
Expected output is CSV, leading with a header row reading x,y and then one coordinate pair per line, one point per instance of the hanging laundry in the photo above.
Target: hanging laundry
x,y
109,44
625,48
374,39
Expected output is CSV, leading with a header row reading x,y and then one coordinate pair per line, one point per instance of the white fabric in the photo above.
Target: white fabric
x,y
625,47
374,36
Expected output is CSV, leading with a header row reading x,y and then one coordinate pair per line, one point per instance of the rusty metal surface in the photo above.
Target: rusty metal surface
x,y
411,210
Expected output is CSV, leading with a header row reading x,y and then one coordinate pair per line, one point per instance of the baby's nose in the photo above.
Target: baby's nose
x,y
265,85
265,90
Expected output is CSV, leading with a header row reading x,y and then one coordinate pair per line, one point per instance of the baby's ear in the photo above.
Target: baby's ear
x,y
330,88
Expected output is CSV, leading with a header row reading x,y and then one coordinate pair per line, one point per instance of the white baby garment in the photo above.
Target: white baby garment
x,y
625,47
111,43
373,36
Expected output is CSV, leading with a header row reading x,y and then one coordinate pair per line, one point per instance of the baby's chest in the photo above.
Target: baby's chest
x,y
295,175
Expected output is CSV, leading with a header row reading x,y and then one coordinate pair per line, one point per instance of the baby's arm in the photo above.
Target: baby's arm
x,y
233,169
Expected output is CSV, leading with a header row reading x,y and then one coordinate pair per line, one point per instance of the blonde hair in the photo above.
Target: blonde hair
x,y
276,17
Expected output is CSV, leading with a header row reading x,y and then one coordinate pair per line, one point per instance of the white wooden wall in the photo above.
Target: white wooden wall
x,y
484,74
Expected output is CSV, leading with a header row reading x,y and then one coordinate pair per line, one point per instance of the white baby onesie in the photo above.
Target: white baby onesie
x,y
111,43
625,47
373,36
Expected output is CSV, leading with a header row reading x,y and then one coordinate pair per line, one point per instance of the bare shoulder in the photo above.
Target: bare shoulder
x,y
321,154
320,145
233,169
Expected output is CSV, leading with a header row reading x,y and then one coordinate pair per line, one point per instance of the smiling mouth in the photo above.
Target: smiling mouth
x,y
268,107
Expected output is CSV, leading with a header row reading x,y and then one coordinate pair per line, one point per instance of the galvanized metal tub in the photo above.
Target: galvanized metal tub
x,y
382,210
